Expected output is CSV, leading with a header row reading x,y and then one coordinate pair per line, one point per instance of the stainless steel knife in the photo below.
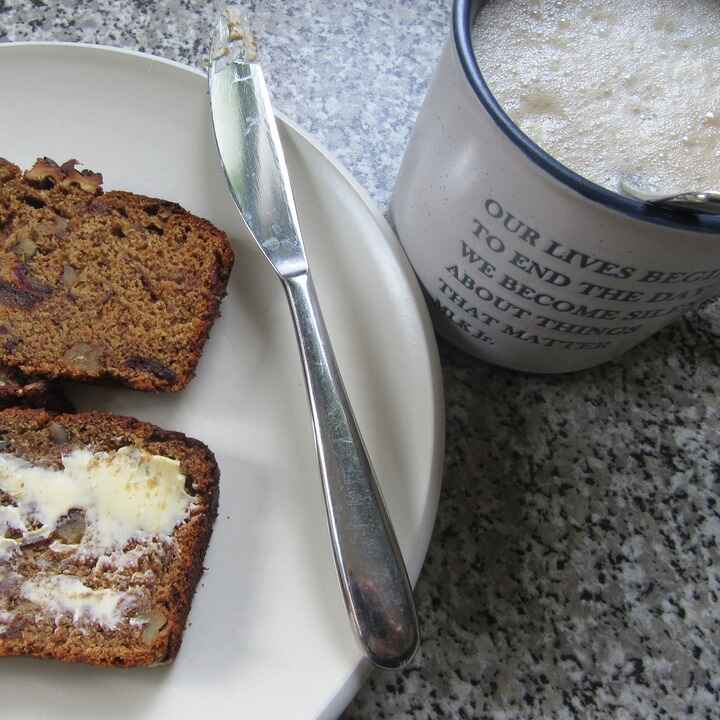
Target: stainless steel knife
x,y
370,566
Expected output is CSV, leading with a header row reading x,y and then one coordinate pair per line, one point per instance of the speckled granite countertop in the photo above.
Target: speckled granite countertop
x,y
574,568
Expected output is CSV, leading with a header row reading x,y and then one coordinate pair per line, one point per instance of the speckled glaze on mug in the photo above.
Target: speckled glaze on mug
x,y
525,263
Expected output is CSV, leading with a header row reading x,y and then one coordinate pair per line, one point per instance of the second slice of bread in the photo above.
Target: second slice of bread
x,y
73,586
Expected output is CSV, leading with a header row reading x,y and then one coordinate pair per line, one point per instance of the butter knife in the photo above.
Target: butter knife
x,y
372,574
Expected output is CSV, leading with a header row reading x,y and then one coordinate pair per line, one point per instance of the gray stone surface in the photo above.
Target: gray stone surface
x,y
573,571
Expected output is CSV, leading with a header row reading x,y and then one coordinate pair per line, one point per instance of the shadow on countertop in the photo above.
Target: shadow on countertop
x,y
570,574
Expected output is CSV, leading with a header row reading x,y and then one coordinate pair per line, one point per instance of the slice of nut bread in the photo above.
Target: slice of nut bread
x,y
103,286
104,523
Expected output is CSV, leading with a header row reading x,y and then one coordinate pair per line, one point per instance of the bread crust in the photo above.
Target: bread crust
x,y
18,390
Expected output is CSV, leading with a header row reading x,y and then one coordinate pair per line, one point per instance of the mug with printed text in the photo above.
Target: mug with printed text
x,y
525,263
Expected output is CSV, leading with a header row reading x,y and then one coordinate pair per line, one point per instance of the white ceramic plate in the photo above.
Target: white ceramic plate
x,y
268,634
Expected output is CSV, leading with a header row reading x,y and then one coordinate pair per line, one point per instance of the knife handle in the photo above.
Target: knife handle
x,y
372,573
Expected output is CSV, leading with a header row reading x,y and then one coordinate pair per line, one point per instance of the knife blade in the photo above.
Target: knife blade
x,y
252,155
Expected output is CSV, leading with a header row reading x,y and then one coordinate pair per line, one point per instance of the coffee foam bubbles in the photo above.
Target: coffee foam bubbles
x,y
613,87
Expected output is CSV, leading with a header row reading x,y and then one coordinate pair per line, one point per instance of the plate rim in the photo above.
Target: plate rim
x,y
344,693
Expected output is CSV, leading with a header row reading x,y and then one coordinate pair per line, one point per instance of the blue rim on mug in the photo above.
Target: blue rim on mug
x,y
463,16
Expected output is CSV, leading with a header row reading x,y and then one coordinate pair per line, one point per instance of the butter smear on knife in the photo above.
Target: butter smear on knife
x,y
234,38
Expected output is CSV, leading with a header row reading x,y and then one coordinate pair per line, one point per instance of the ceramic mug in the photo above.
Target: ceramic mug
x,y
527,264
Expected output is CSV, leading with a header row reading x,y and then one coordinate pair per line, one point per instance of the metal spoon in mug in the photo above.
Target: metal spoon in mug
x,y
697,202
370,566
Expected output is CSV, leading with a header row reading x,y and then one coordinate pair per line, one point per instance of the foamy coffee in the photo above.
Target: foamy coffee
x,y
611,87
